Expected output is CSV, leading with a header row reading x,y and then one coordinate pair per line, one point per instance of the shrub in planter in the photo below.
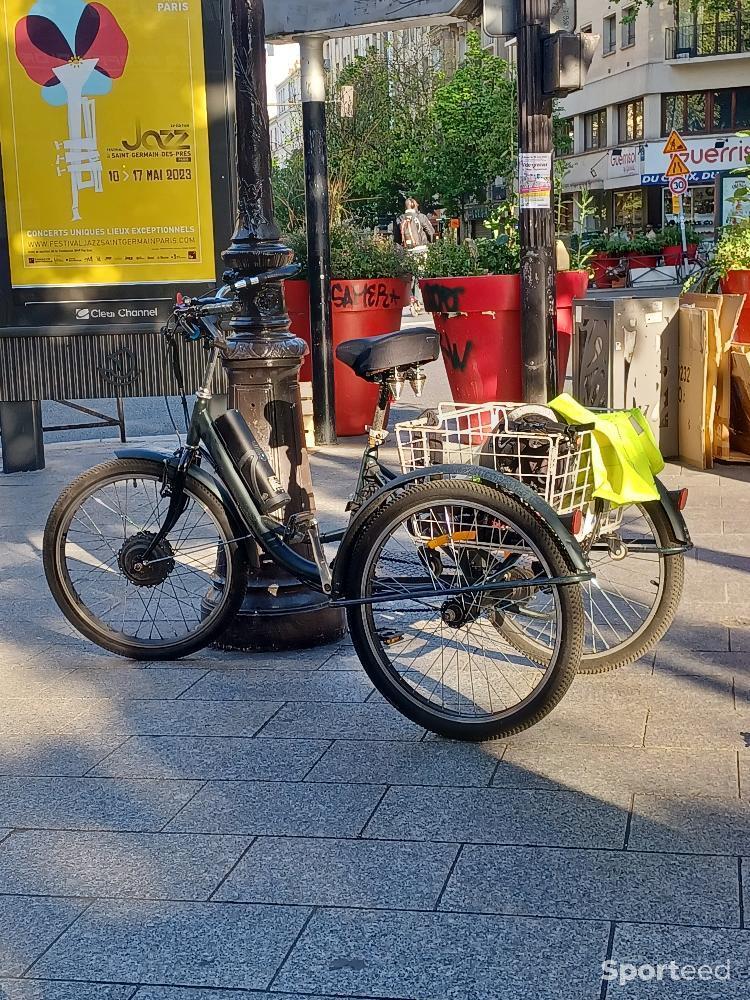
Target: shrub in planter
x,y
732,265
474,292
644,252
370,284
600,261
670,240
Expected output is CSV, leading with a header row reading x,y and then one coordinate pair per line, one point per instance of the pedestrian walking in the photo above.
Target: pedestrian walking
x,y
416,232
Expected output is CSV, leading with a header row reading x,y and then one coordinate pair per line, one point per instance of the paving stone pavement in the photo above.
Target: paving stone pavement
x,y
237,826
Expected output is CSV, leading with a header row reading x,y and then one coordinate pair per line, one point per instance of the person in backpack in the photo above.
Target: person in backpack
x,y
414,227
416,232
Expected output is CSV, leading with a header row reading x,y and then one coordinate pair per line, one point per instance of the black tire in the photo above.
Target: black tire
x,y
371,646
226,595
655,624
665,609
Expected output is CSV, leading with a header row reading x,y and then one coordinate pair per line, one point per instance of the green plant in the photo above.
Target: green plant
x,y
593,242
582,249
356,254
472,258
671,235
644,245
733,249
617,245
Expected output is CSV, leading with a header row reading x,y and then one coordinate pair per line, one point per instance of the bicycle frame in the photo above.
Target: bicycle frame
x,y
374,481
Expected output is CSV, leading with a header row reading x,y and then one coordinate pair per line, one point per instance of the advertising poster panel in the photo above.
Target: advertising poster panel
x,y
105,145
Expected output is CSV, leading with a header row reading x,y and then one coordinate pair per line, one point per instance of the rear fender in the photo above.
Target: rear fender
x,y
487,477
677,525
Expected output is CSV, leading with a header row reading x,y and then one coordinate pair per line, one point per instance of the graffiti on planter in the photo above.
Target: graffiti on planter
x,y
453,359
441,298
373,295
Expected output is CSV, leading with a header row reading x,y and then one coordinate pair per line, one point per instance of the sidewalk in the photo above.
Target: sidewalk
x,y
266,825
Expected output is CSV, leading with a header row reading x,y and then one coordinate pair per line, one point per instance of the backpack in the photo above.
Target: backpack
x,y
411,232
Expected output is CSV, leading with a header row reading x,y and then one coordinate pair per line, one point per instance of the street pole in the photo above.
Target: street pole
x,y
537,226
318,235
263,359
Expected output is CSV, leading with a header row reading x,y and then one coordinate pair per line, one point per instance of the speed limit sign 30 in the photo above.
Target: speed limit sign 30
x,y
678,185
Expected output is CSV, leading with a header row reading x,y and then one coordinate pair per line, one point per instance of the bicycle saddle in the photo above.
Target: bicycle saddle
x,y
369,357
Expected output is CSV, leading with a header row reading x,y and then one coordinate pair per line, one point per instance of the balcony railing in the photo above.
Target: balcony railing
x,y
708,38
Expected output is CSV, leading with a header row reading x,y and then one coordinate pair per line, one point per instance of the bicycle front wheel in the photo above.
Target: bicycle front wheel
x,y
424,568
162,607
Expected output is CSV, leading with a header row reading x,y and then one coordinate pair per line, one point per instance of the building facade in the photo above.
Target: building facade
x,y
286,116
667,69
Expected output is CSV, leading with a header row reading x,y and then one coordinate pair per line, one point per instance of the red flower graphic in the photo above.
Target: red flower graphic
x,y
41,46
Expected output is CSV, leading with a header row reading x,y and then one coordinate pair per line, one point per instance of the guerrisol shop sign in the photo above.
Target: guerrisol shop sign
x,y
707,156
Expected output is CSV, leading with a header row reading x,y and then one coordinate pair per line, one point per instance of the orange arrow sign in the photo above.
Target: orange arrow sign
x,y
677,168
675,144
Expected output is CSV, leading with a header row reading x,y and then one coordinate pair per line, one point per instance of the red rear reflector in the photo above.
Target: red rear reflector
x,y
576,522
180,298
682,499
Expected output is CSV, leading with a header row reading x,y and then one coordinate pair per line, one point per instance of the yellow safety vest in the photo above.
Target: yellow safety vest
x,y
624,454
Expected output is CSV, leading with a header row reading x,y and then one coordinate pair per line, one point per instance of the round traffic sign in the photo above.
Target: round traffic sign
x,y
678,185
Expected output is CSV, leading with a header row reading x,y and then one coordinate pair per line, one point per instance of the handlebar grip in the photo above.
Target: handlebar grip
x,y
278,274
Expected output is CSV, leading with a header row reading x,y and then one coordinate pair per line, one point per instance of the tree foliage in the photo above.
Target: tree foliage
x,y
469,133
415,131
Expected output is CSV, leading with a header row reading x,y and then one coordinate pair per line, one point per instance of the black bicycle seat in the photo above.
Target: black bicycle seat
x,y
371,356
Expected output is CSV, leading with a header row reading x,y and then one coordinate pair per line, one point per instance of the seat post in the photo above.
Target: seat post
x,y
383,409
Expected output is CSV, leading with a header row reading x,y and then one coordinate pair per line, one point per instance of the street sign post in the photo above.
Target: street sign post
x,y
677,174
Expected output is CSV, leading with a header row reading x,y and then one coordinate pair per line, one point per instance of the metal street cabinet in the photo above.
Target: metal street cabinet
x,y
626,354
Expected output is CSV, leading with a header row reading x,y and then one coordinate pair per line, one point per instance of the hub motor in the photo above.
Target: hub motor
x,y
135,568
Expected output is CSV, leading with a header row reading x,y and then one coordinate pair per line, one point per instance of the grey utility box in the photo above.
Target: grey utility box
x,y
626,353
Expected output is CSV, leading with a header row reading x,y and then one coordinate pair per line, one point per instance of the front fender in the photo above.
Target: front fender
x,y
487,477
197,473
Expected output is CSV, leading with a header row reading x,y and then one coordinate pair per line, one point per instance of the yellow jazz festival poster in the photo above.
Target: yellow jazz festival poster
x,y
103,131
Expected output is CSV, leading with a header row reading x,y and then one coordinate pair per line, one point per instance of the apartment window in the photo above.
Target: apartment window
x,y
595,129
628,27
628,209
609,36
630,117
706,111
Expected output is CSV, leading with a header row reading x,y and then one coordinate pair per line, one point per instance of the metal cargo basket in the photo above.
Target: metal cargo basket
x,y
555,464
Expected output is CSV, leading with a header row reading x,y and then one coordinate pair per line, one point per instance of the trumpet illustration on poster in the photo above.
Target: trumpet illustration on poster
x,y
74,51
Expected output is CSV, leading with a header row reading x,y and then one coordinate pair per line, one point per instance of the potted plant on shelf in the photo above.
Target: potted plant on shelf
x,y
370,286
732,267
473,290
670,240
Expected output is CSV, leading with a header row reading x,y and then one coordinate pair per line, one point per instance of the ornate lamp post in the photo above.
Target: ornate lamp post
x,y
263,361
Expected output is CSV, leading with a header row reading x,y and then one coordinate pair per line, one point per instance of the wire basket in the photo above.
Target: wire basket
x,y
556,465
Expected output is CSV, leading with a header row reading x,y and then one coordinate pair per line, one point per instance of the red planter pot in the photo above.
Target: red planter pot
x,y
360,309
643,259
600,264
673,255
738,283
479,322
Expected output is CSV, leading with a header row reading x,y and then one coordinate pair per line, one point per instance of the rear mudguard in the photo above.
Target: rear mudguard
x,y
487,477
198,475
677,525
